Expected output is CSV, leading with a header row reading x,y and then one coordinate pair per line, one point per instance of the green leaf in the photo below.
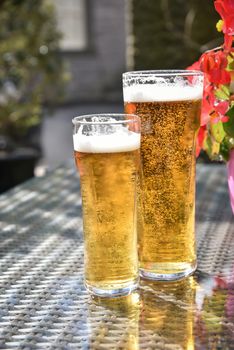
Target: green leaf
x,y
223,92
211,147
215,148
230,112
229,125
217,131
230,65
207,145
224,149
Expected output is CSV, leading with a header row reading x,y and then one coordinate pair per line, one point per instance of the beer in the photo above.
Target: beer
x,y
108,168
169,120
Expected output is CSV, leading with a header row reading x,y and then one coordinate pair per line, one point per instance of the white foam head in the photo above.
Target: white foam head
x,y
153,93
121,141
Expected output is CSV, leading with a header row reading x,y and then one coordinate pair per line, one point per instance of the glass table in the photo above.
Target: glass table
x,y
43,304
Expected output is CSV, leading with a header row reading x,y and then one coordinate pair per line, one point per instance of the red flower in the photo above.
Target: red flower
x,y
221,107
214,64
226,10
200,139
208,91
207,107
227,43
194,66
225,119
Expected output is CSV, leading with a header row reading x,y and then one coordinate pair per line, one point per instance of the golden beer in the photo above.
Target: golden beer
x,y
108,190
167,194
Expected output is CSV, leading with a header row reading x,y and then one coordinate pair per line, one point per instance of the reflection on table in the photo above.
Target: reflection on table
x,y
167,313
194,313
114,321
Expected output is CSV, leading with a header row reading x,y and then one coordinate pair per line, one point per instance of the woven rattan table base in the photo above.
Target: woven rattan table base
x,y
43,304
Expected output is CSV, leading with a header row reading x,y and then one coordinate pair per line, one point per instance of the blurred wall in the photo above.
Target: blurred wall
x,y
136,34
96,71
172,33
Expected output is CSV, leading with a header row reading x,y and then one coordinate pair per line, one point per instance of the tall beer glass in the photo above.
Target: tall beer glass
x,y
168,103
106,148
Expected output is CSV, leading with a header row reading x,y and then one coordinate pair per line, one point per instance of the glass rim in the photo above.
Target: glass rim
x,y
163,73
78,119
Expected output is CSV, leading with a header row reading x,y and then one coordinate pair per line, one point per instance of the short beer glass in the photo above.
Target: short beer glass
x,y
106,148
168,103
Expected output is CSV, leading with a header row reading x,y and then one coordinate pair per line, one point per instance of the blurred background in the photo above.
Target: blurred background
x,y
63,58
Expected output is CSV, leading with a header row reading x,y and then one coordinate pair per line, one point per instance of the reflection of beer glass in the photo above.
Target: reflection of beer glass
x,y
168,103
107,155
113,322
167,317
